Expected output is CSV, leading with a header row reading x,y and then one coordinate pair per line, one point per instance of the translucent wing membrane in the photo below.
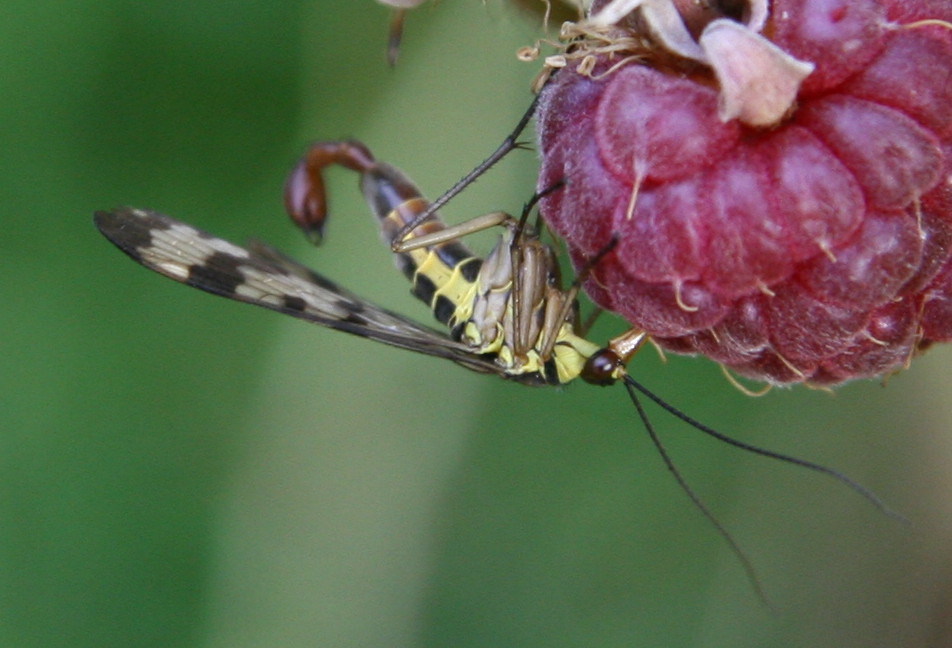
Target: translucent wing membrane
x,y
261,275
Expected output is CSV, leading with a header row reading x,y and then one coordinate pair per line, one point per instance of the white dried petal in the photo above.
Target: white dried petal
x,y
759,11
614,11
666,25
758,80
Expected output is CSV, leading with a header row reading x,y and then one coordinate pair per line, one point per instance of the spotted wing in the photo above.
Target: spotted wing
x,y
263,276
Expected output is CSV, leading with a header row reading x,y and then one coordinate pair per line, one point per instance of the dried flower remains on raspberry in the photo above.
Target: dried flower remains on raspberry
x,y
779,179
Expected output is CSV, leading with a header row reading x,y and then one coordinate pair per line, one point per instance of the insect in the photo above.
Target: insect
x,y
509,306
507,313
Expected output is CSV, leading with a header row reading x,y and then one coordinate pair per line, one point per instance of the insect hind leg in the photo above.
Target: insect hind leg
x,y
473,225
477,224
509,144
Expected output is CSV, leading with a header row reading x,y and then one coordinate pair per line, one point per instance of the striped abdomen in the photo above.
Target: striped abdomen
x,y
443,275
508,305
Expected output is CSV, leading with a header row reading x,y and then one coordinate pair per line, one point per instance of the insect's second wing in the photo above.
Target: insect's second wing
x,y
260,275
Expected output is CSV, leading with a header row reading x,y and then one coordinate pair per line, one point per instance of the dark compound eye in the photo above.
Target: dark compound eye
x,y
600,368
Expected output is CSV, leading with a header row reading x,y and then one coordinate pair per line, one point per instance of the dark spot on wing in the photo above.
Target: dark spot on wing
x,y
294,303
129,229
323,282
352,307
218,274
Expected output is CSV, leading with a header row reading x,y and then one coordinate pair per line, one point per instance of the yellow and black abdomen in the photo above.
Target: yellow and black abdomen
x,y
443,275
508,306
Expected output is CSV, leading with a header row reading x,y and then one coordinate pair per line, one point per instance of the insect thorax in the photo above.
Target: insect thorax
x,y
509,306
489,321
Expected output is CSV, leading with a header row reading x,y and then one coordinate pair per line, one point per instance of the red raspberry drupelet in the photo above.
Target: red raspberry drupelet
x,y
779,182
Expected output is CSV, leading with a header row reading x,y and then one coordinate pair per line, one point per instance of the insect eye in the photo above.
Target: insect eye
x,y
601,367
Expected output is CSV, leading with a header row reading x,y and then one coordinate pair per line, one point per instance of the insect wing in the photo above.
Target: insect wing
x,y
261,275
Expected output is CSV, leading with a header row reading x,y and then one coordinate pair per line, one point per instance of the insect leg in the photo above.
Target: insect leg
x,y
477,224
509,144
572,294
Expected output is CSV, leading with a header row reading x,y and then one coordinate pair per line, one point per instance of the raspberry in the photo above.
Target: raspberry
x,y
779,183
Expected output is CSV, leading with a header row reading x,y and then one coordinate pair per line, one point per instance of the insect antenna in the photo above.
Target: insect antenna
x,y
632,384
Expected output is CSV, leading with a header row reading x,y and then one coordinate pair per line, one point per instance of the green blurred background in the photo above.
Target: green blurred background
x,y
180,470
